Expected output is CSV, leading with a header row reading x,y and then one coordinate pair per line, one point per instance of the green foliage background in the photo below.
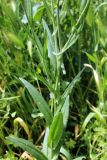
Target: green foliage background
x,y
47,43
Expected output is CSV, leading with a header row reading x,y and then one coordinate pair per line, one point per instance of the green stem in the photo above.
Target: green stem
x,y
58,25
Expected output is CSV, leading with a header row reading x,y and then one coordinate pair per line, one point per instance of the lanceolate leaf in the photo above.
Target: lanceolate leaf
x,y
65,111
44,144
72,84
58,148
27,146
51,45
56,130
50,38
39,100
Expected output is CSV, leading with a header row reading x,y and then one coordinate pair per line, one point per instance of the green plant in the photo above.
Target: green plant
x,y
46,43
95,133
56,114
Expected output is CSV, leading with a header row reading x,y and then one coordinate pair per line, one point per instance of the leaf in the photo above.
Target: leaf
x,y
38,11
56,131
90,16
27,146
84,8
80,158
39,47
44,144
72,84
28,9
101,27
45,82
98,114
87,120
91,57
65,153
83,4
96,75
22,124
50,38
39,100
65,111
56,152
46,150
51,45
71,41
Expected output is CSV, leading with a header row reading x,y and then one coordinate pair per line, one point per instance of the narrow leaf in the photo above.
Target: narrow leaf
x,y
65,111
22,124
92,58
51,45
50,38
27,146
46,150
39,100
56,130
72,84
45,82
87,120
44,144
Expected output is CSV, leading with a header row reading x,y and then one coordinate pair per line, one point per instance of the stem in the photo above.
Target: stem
x,y
58,64
58,25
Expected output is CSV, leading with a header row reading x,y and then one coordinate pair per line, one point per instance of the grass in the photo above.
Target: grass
x,y
53,68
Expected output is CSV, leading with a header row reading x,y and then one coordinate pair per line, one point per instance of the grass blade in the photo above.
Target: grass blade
x,y
88,118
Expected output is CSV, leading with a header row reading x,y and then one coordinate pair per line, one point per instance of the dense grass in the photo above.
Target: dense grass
x,y
53,71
